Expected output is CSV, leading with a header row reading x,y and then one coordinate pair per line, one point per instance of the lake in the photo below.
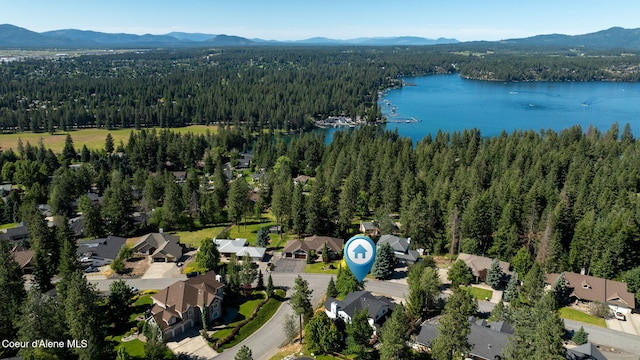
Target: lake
x,y
451,103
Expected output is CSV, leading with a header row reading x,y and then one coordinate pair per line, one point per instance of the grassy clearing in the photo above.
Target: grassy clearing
x,y
478,293
8,226
135,347
322,268
576,315
93,138
193,238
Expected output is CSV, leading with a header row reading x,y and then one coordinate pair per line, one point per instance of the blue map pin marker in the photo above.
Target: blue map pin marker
x,y
360,254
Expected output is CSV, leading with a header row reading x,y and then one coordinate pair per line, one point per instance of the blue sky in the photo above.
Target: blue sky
x,y
300,19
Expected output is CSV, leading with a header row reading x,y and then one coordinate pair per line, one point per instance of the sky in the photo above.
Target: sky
x,y
465,20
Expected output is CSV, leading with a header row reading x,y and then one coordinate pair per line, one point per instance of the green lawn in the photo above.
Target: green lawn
x,y
135,348
93,138
478,293
193,238
573,314
319,268
8,226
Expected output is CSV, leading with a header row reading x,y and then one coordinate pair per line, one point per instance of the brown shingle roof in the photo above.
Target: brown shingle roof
x,y
314,242
590,288
176,299
478,263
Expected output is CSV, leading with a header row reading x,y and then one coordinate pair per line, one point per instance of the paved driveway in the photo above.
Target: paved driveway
x,y
630,326
193,345
160,270
288,265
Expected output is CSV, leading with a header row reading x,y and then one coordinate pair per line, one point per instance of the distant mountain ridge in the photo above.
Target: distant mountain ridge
x,y
12,36
612,38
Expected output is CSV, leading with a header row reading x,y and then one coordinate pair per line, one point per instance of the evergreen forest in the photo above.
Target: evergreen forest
x,y
283,88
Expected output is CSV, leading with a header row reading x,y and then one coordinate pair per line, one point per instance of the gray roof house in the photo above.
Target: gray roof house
x,y
101,251
586,351
15,234
239,248
377,307
160,247
487,339
401,248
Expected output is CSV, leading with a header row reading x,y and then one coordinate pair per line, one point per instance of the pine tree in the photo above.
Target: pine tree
x,y
511,293
494,274
269,289
499,312
459,274
298,220
385,262
120,299
322,335
454,326
68,152
12,293
262,237
580,337
358,333
347,283
248,274
300,300
331,289
260,283
238,200
393,336
208,255
244,353
560,291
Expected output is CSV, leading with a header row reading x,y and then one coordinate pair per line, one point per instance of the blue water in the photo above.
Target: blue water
x,y
451,103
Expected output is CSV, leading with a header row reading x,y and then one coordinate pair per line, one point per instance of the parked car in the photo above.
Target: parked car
x,y
620,316
193,274
134,289
91,269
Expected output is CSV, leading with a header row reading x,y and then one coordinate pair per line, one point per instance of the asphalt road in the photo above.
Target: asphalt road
x,y
265,342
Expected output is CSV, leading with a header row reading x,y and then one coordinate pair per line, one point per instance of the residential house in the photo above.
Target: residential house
x,y
376,306
179,307
480,265
239,247
244,161
160,247
298,249
487,339
586,351
369,228
301,179
401,249
76,225
100,251
15,234
24,258
585,288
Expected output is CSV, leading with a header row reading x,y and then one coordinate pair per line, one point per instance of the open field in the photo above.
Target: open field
x,y
93,138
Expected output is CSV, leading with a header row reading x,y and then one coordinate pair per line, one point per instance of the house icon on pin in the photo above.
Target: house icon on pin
x,y
360,250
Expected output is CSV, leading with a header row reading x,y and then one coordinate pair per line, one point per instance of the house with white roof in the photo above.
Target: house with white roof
x,y
239,247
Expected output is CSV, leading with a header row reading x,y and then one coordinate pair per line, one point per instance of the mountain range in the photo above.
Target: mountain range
x,y
12,36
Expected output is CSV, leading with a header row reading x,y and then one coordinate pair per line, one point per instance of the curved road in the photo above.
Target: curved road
x,y
266,342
